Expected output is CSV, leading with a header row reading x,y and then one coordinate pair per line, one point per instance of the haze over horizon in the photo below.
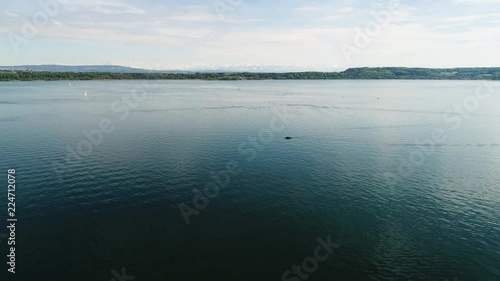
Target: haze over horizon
x,y
283,35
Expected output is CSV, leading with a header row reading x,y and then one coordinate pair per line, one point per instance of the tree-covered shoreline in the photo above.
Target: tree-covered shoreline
x,y
352,73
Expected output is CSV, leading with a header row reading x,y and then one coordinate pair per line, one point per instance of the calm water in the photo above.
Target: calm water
x,y
354,171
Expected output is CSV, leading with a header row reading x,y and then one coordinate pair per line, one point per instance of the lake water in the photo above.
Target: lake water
x,y
407,187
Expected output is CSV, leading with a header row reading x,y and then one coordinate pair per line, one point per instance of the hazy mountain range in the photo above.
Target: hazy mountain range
x,y
124,69
79,68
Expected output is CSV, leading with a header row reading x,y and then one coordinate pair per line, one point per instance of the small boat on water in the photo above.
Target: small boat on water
x,y
288,138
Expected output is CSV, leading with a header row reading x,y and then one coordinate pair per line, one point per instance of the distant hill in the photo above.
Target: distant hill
x,y
82,68
123,69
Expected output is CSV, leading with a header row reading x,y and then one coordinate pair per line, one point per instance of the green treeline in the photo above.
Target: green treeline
x,y
352,73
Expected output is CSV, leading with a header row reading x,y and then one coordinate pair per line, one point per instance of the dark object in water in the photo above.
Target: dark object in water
x,y
288,138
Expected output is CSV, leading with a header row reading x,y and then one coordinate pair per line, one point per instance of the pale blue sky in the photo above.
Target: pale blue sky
x,y
293,34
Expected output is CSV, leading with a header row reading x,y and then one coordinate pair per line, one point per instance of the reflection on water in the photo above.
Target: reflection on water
x,y
118,205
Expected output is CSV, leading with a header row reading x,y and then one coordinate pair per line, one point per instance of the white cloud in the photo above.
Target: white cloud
x,y
307,35
307,9
346,10
331,18
470,18
476,2
466,19
101,6
12,15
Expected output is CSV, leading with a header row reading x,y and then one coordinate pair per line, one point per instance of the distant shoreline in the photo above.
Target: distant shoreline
x,y
382,73
254,80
